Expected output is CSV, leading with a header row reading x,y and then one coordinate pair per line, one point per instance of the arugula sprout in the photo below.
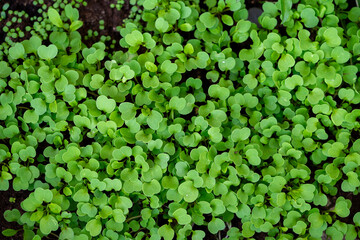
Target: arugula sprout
x,y
196,121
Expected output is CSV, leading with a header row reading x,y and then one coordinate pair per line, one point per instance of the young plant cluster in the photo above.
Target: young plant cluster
x,y
203,124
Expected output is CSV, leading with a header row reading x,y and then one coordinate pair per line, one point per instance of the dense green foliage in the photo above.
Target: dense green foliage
x,y
202,124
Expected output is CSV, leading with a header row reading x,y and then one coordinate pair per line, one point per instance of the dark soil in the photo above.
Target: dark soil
x,y
25,5
97,10
91,14
256,3
7,205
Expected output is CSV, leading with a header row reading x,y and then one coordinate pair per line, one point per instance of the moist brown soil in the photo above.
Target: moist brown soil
x,y
5,204
97,10
91,14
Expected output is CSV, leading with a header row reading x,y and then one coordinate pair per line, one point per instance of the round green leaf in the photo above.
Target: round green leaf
x,y
48,224
94,227
105,104
17,51
47,53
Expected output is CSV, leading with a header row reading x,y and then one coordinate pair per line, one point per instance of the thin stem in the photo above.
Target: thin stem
x,y
22,107
357,3
92,93
134,233
55,235
136,80
132,218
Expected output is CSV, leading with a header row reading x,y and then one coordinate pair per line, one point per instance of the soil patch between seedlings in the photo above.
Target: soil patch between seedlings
x,y
91,14
5,204
18,5
97,10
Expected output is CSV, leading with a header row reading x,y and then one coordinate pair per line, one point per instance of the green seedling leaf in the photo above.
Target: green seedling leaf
x,y
12,215
182,217
208,19
105,104
5,70
240,134
43,195
253,157
81,195
76,25
9,232
285,62
331,37
285,9
48,224
356,219
309,17
168,67
162,25
55,17
17,51
341,208
135,38
154,120
47,53
188,191
216,225
94,227
71,13
151,188
166,232
150,4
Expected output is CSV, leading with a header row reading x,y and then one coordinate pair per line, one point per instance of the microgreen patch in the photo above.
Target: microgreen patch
x,y
202,122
